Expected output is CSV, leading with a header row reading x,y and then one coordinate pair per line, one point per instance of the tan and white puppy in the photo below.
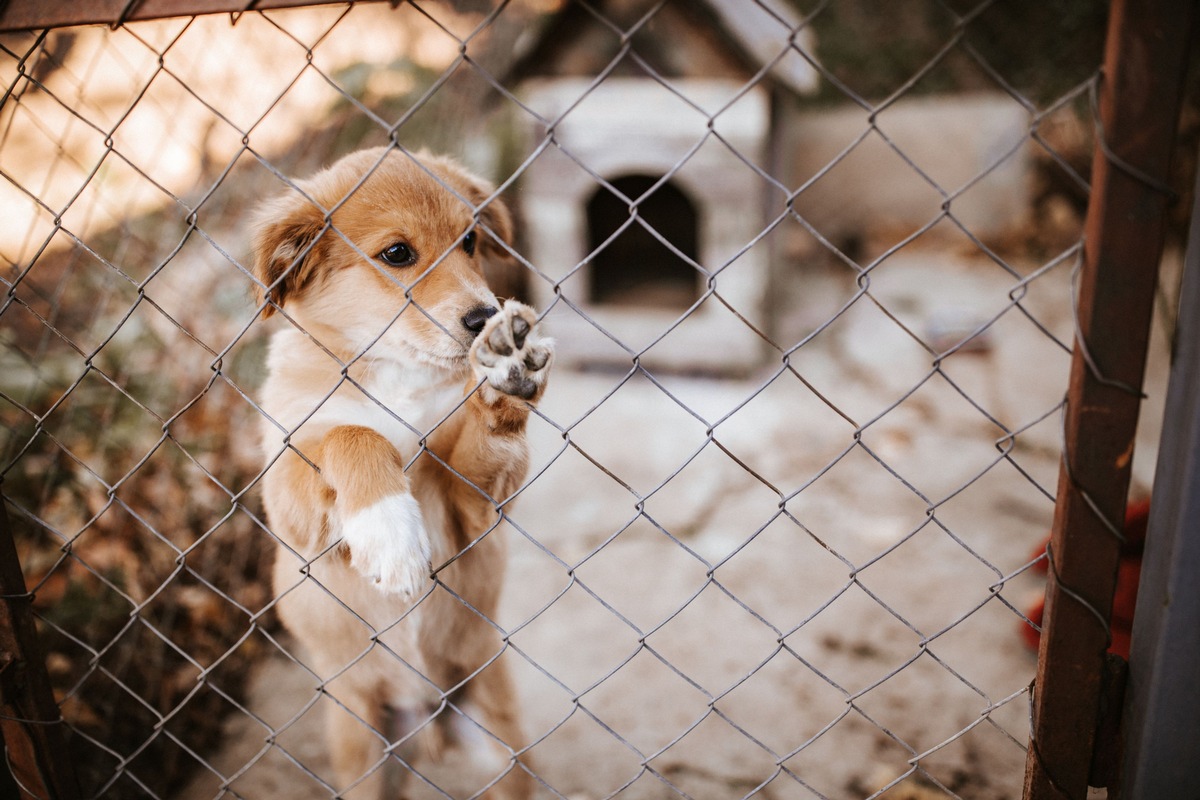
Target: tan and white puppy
x,y
396,405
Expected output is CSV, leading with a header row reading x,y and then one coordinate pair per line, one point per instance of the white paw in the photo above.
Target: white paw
x,y
511,354
388,544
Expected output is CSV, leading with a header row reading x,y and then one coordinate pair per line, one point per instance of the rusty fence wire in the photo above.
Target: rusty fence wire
x,y
783,534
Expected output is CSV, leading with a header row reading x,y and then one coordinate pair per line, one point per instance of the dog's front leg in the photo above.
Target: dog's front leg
x,y
510,365
380,521
510,362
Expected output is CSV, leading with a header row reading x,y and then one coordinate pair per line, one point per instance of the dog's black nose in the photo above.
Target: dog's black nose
x,y
477,317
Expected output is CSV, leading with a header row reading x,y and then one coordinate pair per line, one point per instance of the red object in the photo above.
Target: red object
x,y
1129,570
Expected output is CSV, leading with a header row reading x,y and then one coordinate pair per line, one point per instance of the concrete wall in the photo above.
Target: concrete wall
x,y
971,150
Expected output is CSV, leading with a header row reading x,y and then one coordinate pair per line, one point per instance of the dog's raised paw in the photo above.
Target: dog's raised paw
x,y
510,353
388,544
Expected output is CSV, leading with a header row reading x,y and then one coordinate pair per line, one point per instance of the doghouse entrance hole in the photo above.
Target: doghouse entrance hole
x,y
636,269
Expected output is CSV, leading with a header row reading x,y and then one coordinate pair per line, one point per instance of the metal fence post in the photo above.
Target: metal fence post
x,y
1139,103
34,737
33,14
1163,748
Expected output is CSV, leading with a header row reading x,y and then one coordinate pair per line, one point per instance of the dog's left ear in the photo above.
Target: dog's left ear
x,y
497,219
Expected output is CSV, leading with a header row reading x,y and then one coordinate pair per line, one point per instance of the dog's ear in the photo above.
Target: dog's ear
x,y
288,244
497,219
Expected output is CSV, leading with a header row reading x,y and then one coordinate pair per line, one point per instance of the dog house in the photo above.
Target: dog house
x,y
646,203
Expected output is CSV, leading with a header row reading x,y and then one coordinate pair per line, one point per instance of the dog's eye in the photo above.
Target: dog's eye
x,y
469,243
399,254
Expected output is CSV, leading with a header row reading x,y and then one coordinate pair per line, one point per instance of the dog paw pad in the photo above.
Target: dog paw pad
x,y
520,329
510,355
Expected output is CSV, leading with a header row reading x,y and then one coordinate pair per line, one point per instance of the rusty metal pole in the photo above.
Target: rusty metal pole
x,y
34,736
1139,103
25,15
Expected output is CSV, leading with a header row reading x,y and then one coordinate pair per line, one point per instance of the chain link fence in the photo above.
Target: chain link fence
x,y
810,269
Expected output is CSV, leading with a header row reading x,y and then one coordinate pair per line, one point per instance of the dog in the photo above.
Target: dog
x,y
395,406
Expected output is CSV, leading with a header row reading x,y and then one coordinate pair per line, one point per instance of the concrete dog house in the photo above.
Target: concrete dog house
x,y
644,206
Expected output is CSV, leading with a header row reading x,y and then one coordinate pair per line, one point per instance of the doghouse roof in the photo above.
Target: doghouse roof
x,y
685,38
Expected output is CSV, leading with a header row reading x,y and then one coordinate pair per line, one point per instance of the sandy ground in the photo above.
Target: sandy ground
x,y
720,642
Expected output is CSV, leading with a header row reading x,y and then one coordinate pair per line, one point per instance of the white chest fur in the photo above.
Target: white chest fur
x,y
405,403
402,401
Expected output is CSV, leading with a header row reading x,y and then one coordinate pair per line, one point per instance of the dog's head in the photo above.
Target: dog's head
x,y
382,250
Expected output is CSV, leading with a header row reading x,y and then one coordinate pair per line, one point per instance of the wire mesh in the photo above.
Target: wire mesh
x,y
782,522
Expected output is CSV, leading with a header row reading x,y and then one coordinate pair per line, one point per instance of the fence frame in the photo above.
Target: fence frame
x,y
1163,747
34,734
21,15
1146,52
1140,100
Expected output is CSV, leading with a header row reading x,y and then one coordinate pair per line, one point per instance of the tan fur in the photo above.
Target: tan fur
x,y
380,398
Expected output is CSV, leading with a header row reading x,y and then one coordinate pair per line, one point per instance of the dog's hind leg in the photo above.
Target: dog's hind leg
x,y
357,750
493,697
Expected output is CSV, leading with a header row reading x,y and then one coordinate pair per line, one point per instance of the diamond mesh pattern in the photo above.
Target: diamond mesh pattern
x,y
776,539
